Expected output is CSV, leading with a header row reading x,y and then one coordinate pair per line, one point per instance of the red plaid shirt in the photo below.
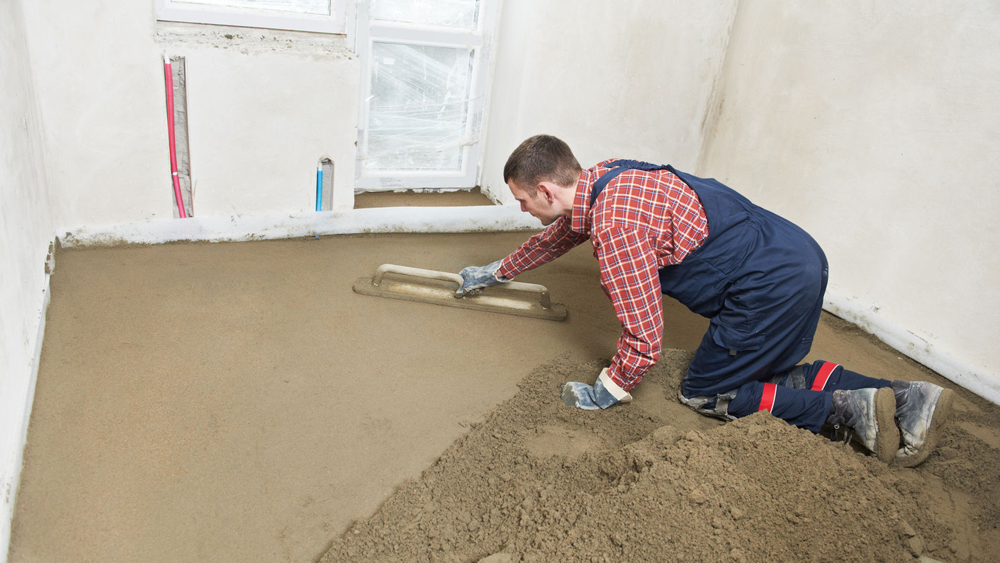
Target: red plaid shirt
x,y
641,222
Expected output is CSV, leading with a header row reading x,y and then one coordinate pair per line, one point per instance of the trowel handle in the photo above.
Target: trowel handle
x,y
541,290
416,272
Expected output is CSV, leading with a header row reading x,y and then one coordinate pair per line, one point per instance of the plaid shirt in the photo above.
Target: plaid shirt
x,y
641,222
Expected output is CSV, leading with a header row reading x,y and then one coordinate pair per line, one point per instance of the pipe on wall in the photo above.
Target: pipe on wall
x,y
319,188
324,184
168,74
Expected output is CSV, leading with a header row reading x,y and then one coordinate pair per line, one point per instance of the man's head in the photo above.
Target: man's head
x,y
542,173
542,158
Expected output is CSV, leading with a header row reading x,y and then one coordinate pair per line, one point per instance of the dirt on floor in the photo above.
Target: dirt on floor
x,y
538,481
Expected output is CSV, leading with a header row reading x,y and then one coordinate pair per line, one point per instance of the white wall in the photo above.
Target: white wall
x,y
26,229
626,79
260,124
875,126
263,108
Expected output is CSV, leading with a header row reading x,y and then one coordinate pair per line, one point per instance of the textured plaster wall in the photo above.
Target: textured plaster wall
x,y
625,79
263,108
100,87
259,124
26,229
875,126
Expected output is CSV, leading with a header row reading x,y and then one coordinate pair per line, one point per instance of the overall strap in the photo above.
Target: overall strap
x,y
617,167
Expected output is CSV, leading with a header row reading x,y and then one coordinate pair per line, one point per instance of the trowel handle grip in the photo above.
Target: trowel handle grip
x,y
416,272
541,290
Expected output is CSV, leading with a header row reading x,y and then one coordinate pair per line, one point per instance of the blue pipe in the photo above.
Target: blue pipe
x,y
319,188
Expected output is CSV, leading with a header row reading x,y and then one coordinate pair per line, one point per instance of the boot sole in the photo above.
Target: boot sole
x,y
941,412
887,438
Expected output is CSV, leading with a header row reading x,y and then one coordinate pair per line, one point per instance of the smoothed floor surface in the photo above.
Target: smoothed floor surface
x,y
238,402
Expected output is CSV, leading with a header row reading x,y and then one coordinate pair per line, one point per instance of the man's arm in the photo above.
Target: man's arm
x,y
544,247
629,276
557,239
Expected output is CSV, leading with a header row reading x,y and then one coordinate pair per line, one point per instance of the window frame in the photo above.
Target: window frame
x,y
186,12
479,39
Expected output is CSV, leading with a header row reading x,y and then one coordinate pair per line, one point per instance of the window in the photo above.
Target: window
x,y
425,66
325,16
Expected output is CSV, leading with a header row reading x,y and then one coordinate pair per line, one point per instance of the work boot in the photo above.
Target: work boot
x,y
868,413
921,409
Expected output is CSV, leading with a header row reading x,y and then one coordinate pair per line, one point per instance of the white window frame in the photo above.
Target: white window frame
x,y
479,39
180,11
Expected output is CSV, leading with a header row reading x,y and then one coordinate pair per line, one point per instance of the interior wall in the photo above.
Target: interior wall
x,y
626,79
26,230
263,108
259,125
875,126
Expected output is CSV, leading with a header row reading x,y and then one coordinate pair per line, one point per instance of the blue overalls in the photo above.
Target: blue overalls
x,y
760,279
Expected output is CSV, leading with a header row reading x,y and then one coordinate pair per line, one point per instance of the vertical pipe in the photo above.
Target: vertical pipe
x,y
319,189
170,133
181,146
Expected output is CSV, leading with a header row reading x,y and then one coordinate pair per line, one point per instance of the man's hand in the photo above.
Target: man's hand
x,y
601,395
477,277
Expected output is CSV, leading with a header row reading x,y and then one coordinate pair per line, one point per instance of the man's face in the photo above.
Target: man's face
x,y
538,205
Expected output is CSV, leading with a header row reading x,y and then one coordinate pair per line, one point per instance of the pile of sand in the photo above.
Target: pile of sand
x,y
537,481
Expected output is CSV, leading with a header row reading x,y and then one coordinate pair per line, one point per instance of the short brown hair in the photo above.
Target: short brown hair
x,y
541,158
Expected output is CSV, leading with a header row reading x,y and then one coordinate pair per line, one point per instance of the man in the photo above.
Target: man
x,y
758,277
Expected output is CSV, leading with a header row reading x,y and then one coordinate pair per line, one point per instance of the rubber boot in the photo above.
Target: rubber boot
x,y
869,414
921,410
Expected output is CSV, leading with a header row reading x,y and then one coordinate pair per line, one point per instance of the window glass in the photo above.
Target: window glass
x,y
319,7
322,16
419,107
447,13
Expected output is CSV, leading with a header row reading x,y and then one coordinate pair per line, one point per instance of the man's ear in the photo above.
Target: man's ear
x,y
545,191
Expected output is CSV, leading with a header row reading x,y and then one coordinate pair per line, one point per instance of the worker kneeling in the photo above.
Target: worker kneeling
x,y
759,278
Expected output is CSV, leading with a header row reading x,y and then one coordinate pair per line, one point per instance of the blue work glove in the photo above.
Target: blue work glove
x,y
477,277
601,395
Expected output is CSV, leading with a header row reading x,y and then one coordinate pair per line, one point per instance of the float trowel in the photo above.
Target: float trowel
x,y
441,288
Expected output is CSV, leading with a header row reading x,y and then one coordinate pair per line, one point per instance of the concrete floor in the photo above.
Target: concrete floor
x,y
238,402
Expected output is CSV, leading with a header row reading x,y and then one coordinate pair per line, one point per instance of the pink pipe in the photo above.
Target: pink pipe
x,y
170,133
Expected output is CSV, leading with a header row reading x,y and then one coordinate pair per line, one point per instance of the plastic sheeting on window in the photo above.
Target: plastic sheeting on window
x,y
321,7
447,13
419,108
